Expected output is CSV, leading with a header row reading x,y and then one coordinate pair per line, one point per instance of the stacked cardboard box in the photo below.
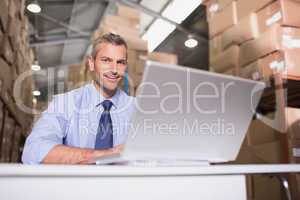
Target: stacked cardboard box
x,y
15,95
249,31
258,39
292,116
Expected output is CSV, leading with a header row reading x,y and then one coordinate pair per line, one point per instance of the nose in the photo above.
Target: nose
x,y
114,67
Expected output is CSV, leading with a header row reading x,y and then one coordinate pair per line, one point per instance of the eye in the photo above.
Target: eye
x,y
122,62
105,60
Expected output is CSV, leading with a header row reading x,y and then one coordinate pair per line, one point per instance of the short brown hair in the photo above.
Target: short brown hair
x,y
110,38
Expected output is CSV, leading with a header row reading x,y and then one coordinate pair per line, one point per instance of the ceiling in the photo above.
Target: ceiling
x,y
61,34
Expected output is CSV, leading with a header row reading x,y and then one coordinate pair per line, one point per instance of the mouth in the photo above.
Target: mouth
x,y
111,77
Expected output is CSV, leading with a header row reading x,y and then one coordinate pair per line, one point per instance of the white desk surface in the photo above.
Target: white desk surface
x,y
15,170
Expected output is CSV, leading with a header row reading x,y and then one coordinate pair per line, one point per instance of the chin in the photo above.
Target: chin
x,y
111,87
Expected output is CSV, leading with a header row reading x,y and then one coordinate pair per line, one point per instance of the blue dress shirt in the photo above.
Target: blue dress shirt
x,y
72,119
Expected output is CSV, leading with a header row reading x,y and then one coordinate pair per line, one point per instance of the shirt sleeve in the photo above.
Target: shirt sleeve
x,y
47,132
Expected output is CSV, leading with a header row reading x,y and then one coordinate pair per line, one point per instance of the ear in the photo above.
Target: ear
x,y
90,63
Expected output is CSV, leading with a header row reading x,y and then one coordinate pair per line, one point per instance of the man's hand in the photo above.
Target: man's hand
x,y
109,152
62,154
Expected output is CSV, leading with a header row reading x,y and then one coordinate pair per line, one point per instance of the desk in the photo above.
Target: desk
x,y
129,182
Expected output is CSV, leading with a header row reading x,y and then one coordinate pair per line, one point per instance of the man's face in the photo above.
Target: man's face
x,y
109,66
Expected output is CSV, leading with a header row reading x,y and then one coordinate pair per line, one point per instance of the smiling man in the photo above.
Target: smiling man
x,y
89,122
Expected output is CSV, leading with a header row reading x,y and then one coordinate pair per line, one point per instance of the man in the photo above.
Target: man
x,y
89,122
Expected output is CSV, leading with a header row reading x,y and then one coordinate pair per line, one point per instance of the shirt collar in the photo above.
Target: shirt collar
x,y
97,98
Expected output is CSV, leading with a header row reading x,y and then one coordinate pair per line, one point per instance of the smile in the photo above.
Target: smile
x,y
111,77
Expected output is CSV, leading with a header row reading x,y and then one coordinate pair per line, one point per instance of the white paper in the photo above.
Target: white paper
x,y
275,18
289,42
296,152
278,66
214,8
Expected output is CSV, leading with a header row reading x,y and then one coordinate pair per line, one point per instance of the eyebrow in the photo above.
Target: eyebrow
x,y
105,57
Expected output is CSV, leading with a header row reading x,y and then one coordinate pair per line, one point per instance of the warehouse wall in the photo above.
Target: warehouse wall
x,y
15,59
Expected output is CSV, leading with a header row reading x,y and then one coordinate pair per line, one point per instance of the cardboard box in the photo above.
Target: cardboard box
x,y
245,30
6,50
215,6
8,131
134,41
226,60
1,119
292,116
294,183
162,57
276,38
223,20
283,12
271,152
260,133
294,150
14,28
284,62
252,71
215,47
231,72
128,12
124,31
246,7
4,14
5,76
15,154
120,21
12,9
266,187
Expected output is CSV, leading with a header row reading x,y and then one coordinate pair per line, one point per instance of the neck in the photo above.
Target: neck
x,y
103,91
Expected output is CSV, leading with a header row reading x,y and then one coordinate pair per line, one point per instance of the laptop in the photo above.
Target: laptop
x,y
188,116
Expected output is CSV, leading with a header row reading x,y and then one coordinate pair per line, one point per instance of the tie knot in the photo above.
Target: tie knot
x,y
107,104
